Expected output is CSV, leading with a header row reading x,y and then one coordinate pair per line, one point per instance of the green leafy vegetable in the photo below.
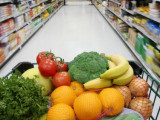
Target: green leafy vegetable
x,y
21,99
87,66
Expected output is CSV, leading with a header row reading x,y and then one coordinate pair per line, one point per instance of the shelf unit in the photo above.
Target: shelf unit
x,y
129,11
129,24
129,46
148,16
5,1
38,4
145,33
115,2
33,32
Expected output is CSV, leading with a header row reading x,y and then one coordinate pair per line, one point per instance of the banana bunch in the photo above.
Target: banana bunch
x,y
119,73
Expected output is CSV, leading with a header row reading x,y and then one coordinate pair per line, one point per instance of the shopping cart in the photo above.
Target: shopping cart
x,y
154,92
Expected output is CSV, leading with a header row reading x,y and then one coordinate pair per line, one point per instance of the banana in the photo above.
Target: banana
x,y
125,78
97,83
122,66
111,64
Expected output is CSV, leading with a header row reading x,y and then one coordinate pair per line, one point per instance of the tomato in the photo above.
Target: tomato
x,y
62,66
47,67
61,78
44,55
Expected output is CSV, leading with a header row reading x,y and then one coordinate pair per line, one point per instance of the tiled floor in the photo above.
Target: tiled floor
x,y
76,28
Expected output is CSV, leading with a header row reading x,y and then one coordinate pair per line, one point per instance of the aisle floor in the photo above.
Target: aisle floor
x,y
75,28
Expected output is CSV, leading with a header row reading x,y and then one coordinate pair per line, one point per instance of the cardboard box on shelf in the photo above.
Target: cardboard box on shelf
x,y
132,34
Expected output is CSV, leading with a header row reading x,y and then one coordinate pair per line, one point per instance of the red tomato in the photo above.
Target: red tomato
x,y
44,55
47,67
61,78
62,66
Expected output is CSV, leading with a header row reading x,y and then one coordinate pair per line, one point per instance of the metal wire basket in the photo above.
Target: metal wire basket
x,y
154,85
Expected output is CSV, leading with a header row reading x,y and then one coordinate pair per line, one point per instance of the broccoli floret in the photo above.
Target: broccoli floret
x,y
87,66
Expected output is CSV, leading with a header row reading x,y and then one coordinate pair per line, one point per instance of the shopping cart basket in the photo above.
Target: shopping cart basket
x,y
154,92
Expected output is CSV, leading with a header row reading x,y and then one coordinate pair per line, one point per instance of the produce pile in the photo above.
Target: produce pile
x,y
92,86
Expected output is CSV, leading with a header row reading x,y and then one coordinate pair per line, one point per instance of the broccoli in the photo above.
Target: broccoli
x,y
87,66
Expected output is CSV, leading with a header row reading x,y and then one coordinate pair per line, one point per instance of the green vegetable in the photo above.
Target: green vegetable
x,y
21,99
87,66
131,116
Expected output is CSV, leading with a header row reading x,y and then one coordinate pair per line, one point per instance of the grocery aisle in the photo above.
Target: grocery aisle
x,y
75,28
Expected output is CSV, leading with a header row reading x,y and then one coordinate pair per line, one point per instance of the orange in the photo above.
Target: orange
x,y
112,101
77,87
63,94
61,112
87,106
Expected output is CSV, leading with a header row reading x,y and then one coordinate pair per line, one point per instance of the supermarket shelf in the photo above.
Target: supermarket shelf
x,y
18,14
7,34
5,1
129,11
38,3
21,26
45,20
40,13
3,19
115,2
145,33
100,2
20,46
148,16
120,17
130,47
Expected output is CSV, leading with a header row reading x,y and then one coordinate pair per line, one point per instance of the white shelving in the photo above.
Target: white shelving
x,y
115,2
36,29
129,24
3,19
130,47
129,11
148,16
18,14
5,1
145,33
38,3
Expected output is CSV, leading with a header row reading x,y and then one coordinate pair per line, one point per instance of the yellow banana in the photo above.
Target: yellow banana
x,y
125,78
97,83
111,64
122,66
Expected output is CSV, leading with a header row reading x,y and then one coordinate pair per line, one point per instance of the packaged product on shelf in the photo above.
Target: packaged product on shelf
x,y
35,11
12,36
27,16
2,58
6,10
31,12
27,30
22,6
13,44
50,9
19,21
4,42
132,34
140,45
1,51
45,14
123,27
153,29
154,9
21,35
11,24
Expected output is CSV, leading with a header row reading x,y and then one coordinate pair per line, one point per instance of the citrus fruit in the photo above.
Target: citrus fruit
x,y
63,94
77,87
87,106
61,112
112,101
